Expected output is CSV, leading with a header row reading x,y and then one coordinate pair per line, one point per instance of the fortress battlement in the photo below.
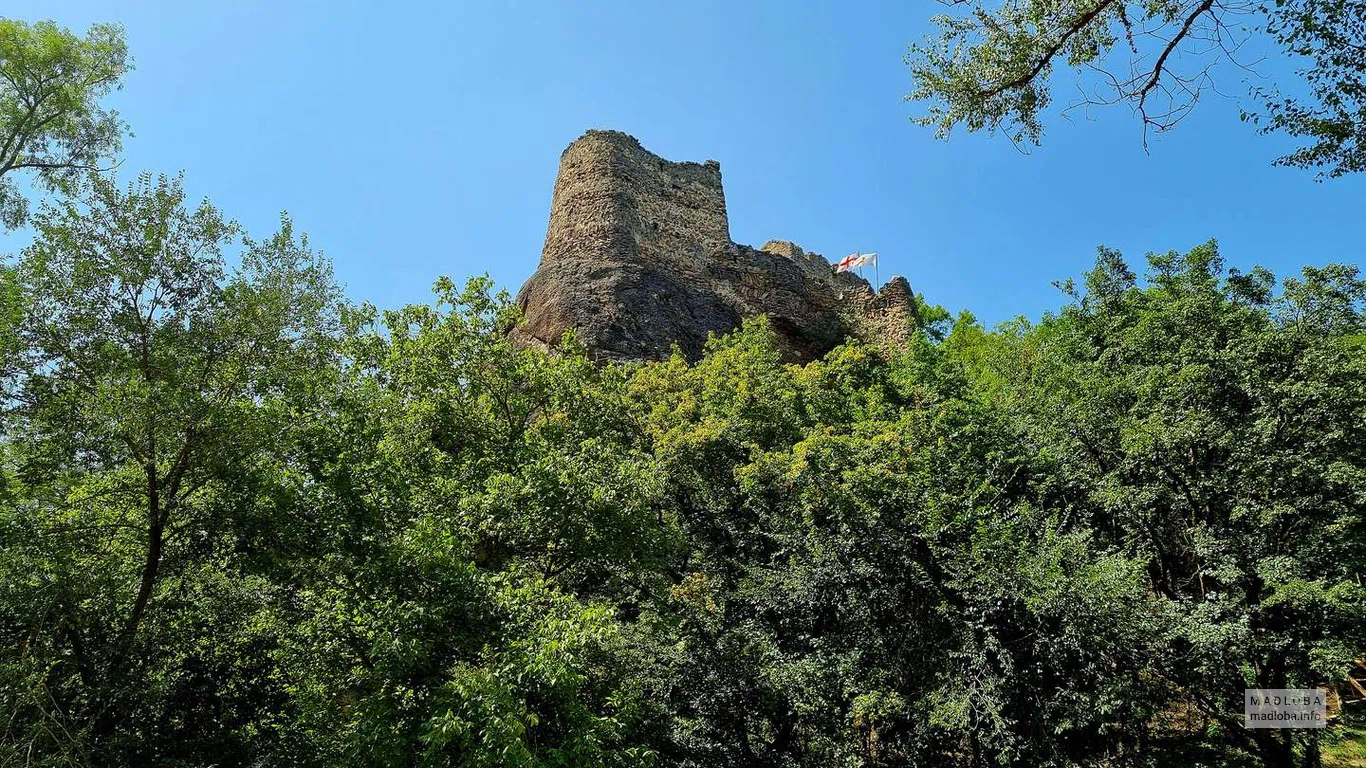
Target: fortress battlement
x,y
638,257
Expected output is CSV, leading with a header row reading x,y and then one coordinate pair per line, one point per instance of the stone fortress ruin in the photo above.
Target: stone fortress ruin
x,y
638,258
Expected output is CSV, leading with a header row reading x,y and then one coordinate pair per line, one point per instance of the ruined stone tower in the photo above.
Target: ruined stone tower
x,y
638,257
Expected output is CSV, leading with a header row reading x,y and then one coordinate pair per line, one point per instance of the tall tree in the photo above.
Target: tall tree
x,y
51,121
1214,430
145,373
989,66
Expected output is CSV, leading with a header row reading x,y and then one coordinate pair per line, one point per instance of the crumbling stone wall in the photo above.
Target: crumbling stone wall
x,y
638,258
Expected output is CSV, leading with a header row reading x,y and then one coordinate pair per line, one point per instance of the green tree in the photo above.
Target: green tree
x,y
1213,429
990,66
145,379
242,523
872,578
51,122
481,519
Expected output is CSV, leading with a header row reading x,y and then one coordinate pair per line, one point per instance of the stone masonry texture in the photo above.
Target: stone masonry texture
x,y
638,258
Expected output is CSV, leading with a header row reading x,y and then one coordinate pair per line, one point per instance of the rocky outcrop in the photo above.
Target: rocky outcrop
x,y
638,258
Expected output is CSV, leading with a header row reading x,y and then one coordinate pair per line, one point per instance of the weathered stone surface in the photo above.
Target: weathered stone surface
x,y
638,257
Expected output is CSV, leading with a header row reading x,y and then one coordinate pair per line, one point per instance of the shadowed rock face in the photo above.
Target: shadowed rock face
x,y
638,257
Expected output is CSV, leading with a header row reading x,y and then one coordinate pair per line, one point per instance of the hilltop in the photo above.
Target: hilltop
x,y
638,257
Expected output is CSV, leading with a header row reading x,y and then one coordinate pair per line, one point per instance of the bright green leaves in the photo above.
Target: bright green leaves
x,y
51,122
497,504
1214,432
1329,34
990,70
991,66
148,381
402,539
860,545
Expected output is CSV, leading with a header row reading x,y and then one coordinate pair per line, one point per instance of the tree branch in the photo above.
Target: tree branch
x,y
1167,51
1052,51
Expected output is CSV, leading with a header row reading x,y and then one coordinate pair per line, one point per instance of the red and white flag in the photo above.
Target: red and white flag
x,y
854,260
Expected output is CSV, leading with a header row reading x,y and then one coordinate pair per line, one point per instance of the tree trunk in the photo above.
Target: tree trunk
x,y
1274,751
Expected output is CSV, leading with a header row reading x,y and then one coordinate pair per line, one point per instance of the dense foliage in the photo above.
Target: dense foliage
x,y
244,523
51,122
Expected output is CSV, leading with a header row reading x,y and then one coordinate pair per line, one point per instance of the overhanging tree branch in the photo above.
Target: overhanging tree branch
x,y
1052,52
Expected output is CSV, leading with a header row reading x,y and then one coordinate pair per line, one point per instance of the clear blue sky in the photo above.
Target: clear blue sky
x,y
414,140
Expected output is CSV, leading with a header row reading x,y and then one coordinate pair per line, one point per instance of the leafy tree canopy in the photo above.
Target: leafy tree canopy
x,y
244,525
990,66
244,522
51,121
